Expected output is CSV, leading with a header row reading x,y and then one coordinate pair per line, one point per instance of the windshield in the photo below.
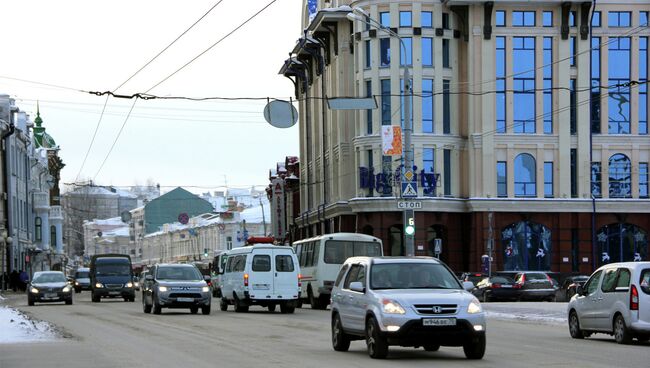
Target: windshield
x,y
49,277
81,275
113,269
337,251
412,276
179,273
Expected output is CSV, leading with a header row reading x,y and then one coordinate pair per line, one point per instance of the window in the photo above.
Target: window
x,y
340,275
595,20
548,179
623,280
427,51
445,21
643,19
53,236
643,86
501,84
572,18
426,19
523,19
428,160
525,173
427,105
592,285
547,19
405,19
369,111
548,85
618,19
445,53
368,54
596,179
261,263
446,108
644,281
573,117
643,179
408,58
447,171
429,178
384,19
284,263
524,84
620,176
371,168
609,280
619,97
526,245
621,242
357,274
384,52
500,18
385,102
337,251
572,51
595,85
38,229
502,179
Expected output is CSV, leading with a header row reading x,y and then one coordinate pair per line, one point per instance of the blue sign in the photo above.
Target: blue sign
x,y
409,189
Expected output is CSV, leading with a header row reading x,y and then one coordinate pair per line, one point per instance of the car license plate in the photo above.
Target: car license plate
x,y
113,293
439,322
260,287
185,300
506,286
51,295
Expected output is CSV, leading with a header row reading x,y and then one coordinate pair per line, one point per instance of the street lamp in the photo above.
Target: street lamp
x,y
408,215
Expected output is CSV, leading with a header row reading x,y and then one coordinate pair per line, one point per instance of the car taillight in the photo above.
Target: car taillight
x,y
549,279
522,280
299,280
245,279
496,286
634,298
517,286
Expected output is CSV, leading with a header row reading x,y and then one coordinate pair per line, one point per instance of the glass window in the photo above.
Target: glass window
x,y
643,85
609,280
548,179
446,108
427,51
595,20
369,111
428,160
548,85
621,242
526,245
620,176
643,19
445,21
643,179
384,19
385,102
572,51
426,19
595,85
547,19
284,263
619,97
572,18
446,161
427,105
38,229
408,58
352,276
445,53
412,276
574,173
623,280
340,275
592,285
428,179
644,281
337,251
500,18
525,176
524,84
53,236
502,179
368,53
501,84
618,18
596,179
523,19
405,19
573,116
384,52
262,263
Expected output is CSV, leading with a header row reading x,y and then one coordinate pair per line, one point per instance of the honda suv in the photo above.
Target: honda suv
x,y
415,301
616,301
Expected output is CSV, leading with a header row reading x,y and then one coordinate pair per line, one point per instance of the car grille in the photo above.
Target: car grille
x,y
114,286
52,290
184,295
443,309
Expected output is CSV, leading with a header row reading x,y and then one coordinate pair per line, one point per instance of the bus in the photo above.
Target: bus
x,y
321,258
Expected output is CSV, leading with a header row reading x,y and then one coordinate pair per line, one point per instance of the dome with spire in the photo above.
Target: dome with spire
x,y
42,139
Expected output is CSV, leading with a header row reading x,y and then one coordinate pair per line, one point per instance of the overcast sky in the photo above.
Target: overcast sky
x,y
97,45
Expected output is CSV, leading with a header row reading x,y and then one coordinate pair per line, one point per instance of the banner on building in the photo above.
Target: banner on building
x,y
278,215
391,140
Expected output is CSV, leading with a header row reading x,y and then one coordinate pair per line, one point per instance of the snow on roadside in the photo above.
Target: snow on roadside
x,y
15,327
541,312
545,319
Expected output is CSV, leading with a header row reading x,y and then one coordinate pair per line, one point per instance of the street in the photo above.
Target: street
x,y
114,333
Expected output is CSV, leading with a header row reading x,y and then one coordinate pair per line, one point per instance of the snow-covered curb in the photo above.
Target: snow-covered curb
x,y
15,327
544,319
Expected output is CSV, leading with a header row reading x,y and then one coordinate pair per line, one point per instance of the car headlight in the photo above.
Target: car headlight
x,y
99,285
129,285
474,307
162,288
392,307
206,289
67,289
34,290
76,283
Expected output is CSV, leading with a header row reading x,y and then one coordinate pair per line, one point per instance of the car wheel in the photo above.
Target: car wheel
x,y
271,307
96,298
68,302
574,326
30,302
223,305
157,308
315,302
299,303
194,310
77,291
340,340
239,307
431,347
377,345
476,348
285,308
205,310
621,333
146,308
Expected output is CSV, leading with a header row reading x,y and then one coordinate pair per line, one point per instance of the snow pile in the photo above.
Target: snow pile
x,y
15,327
542,312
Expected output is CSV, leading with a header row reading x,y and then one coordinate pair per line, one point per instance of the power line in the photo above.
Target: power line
x,y
83,163
42,83
115,141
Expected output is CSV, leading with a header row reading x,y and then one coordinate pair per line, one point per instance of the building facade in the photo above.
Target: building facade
x,y
529,128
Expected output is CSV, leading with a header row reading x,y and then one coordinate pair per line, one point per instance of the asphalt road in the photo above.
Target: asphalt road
x,y
114,333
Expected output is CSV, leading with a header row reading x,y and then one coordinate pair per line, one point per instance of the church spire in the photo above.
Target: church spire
x,y
38,121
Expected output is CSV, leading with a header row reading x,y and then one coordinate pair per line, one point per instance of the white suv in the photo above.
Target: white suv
x,y
616,301
414,302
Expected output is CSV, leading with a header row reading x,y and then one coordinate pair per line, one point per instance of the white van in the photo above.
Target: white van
x,y
262,274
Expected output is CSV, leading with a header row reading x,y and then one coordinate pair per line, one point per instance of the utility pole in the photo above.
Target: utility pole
x,y
490,244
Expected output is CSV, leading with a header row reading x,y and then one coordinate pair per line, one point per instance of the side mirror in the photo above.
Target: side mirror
x,y
149,277
357,286
468,285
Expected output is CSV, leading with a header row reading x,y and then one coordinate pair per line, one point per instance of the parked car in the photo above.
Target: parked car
x,y
81,279
570,284
49,286
615,300
497,288
473,277
415,302
176,286
534,285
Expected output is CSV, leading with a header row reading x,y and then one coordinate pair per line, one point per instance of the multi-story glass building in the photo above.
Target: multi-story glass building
x,y
530,128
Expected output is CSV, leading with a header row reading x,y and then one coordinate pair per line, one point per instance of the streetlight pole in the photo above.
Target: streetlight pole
x,y
409,246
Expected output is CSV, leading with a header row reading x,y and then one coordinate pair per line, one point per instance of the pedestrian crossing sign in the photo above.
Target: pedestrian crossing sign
x,y
409,189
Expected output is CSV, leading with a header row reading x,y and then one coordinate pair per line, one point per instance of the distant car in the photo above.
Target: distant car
x,y
534,285
615,300
570,284
136,283
415,302
473,277
497,288
176,286
49,286
81,279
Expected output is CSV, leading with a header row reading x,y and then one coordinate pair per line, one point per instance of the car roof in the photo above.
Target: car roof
x,y
38,273
175,265
633,265
386,260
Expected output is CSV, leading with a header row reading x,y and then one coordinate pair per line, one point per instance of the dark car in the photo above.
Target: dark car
x,y
49,286
473,277
535,285
497,288
571,283
176,286
81,279
111,276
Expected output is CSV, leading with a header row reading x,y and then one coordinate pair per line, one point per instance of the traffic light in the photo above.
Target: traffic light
x,y
409,228
205,252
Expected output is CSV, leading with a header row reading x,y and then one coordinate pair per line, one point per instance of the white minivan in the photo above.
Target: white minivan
x,y
262,274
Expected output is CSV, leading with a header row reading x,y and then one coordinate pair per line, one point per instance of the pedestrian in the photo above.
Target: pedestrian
x,y
14,279
24,279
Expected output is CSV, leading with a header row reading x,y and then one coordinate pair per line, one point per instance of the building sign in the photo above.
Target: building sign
x,y
391,140
382,182
312,8
278,217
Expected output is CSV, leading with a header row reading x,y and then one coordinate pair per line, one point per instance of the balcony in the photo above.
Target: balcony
x,y
56,213
41,201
